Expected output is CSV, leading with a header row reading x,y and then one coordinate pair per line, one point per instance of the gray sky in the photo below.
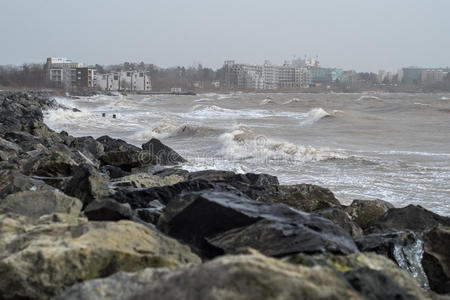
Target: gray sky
x,y
353,34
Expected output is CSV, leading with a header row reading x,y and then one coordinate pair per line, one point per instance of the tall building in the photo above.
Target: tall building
x,y
124,81
66,73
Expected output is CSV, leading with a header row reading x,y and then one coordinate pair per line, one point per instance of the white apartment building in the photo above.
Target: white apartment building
x,y
433,76
124,81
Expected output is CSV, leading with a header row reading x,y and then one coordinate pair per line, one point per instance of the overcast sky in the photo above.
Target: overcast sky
x,y
353,34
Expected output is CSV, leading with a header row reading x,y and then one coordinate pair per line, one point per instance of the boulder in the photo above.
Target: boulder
x,y
164,154
110,144
436,258
113,172
35,204
339,217
145,180
229,177
228,221
54,164
86,184
254,277
411,217
365,212
46,259
127,159
403,247
26,141
108,210
152,213
88,146
12,181
46,136
8,149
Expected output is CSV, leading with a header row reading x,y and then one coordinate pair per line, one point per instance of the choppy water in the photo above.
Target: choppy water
x,y
394,147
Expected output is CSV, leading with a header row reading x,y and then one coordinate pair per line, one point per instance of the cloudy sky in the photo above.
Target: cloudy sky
x,y
351,34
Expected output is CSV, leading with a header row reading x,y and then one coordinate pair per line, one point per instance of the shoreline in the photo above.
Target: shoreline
x,y
54,183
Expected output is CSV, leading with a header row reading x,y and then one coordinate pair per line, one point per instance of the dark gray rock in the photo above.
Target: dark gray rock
x,y
88,146
110,144
366,212
86,184
108,210
12,181
127,160
165,155
339,217
113,172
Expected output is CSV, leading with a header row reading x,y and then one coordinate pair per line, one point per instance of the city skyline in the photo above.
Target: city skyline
x,y
385,35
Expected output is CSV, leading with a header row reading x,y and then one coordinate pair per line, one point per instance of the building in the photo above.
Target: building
x,y
266,76
417,75
326,75
433,76
124,81
65,73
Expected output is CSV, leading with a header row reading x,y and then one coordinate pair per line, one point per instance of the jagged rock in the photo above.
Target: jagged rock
x,y
35,204
144,180
10,150
152,213
68,139
171,171
164,154
228,221
405,248
46,136
411,217
254,277
127,159
140,198
108,210
339,217
86,184
42,261
113,172
228,177
306,197
436,259
88,146
111,144
365,212
54,164
12,181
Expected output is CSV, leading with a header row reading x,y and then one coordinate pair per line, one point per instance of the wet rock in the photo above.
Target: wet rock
x,y
110,144
229,177
306,197
412,217
339,217
366,212
126,160
46,136
10,150
164,154
67,138
144,180
152,213
46,259
171,171
228,221
86,184
250,277
54,164
140,198
12,181
26,141
108,210
404,248
88,145
113,172
436,259
35,204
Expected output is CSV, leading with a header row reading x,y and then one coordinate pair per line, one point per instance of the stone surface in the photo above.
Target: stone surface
x,y
126,160
257,277
366,212
43,260
110,144
86,184
108,210
12,181
113,172
339,217
164,154
411,217
88,145
145,180
35,204
54,164
228,221
436,259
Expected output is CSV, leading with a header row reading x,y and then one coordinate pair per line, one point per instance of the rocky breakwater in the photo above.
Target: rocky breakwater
x,y
86,218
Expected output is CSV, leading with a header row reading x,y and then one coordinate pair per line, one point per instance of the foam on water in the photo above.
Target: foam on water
x,y
314,115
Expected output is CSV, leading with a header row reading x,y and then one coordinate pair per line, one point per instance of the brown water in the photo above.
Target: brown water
x,y
394,147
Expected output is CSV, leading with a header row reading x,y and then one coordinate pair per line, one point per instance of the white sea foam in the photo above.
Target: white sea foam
x,y
368,97
169,128
314,115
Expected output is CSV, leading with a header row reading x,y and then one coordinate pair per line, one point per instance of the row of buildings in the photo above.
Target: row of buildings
x,y
65,73
299,73
415,75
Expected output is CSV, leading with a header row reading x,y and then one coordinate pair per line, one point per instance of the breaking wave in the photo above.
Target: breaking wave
x,y
293,100
169,128
315,115
367,97
268,101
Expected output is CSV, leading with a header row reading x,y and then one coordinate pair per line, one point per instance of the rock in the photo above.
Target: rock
x,y
306,197
10,150
108,210
12,181
113,172
54,164
228,221
110,144
253,277
140,198
339,217
229,177
152,213
46,136
365,212
88,146
171,171
144,180
165,155
86,184
26,141
46,259
126,160
411,217
404,248
35,204
436,259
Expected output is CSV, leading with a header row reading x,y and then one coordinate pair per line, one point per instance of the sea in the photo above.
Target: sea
x,y
389,146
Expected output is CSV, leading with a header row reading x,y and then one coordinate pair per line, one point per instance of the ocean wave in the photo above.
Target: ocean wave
x,y
445,98
367,97
203,111
169,128
315,115
243,143
292,101
268,101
